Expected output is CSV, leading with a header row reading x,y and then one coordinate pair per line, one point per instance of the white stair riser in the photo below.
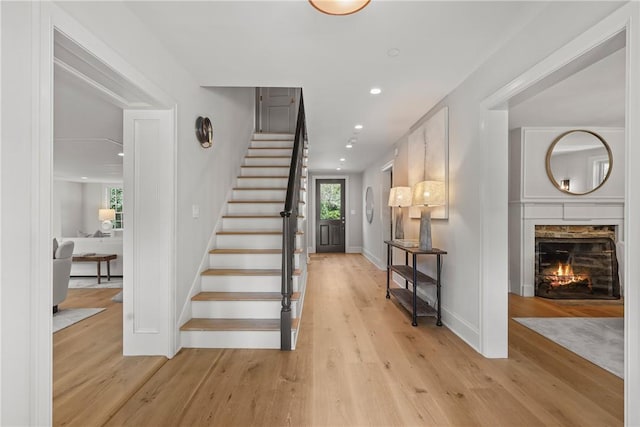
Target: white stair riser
x,y
270,152
268,161
256,223
232,339
245,283
259,195
249,261
257,143
273,136
279,171
262,182
255,208
239,309
258,208
252,241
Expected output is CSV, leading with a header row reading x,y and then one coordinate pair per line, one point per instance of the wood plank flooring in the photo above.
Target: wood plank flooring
x,y
358,362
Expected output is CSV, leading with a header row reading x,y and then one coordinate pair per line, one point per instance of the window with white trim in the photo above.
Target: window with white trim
x,y
114,197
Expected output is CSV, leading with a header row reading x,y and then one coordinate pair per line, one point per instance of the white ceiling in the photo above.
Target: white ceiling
x,y
594,96
87,133
337,59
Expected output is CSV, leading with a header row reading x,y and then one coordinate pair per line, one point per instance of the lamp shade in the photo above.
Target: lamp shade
x,y
106,214
339,7
400,196
428,193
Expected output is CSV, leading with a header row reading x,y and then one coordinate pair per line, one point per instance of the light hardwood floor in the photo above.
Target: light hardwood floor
x,y
358,362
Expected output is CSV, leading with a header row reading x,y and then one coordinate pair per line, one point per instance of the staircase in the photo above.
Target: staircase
x,y
239,301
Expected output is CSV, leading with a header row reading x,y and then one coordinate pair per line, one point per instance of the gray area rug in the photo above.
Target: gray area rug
x,y
92,283
600,340
68,316
117,297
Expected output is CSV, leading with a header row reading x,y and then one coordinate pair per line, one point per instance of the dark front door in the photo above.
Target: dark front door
x,y
330,215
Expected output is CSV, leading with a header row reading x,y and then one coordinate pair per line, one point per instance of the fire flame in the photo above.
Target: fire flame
x,y
564,275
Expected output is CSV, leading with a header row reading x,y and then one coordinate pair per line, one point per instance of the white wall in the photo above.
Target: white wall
x,y
353,209
204,177
67,208
75,207
461,235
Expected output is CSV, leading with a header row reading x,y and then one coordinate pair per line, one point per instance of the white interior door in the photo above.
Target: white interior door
x,y
278,109
149,232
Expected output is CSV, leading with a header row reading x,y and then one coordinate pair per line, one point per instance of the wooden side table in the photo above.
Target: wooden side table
x,y
97,258
409,299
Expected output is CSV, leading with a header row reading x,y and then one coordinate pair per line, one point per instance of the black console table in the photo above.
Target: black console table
x,y
409,298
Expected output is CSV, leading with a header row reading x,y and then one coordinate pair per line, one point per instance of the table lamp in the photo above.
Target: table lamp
x,y
400,197
106,216
425,195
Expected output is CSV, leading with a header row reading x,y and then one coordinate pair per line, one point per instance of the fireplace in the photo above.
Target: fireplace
x,y
576,267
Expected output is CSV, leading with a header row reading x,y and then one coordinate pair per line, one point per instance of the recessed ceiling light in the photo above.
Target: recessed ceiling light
x,y
358,127
83,177
342,159
375,91
393,52
349,145
121,154
338,169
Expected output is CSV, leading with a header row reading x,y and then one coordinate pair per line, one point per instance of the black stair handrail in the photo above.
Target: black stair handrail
x,y
290,225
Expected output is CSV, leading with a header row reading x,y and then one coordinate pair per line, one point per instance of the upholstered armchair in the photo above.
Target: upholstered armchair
x,y
62,256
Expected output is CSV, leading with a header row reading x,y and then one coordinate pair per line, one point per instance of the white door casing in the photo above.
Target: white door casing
x,y
149,270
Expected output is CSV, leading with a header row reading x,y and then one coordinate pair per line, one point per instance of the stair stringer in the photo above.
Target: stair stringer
x,y
196,285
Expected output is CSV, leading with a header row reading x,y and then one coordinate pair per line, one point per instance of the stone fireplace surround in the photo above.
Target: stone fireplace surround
x,y
591,269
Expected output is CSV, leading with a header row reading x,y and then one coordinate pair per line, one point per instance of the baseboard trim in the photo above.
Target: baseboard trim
x,y
458,326
354,250
374,260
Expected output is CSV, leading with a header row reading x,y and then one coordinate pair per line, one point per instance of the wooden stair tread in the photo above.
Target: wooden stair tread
x,y
256,216
199,324
245,272
267,157
261,201
254,232
259,188
265,176
268,166
249,251
242,296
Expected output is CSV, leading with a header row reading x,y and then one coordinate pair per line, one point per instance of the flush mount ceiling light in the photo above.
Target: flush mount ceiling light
x,y
349,145
342,159
121,154
358,127
339,7
375,91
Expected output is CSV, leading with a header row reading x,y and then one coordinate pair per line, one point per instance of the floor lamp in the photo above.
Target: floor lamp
x,y
400,197
425,195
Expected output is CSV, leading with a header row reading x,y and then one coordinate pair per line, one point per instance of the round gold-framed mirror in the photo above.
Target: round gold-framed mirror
x,y
579,162
368,202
